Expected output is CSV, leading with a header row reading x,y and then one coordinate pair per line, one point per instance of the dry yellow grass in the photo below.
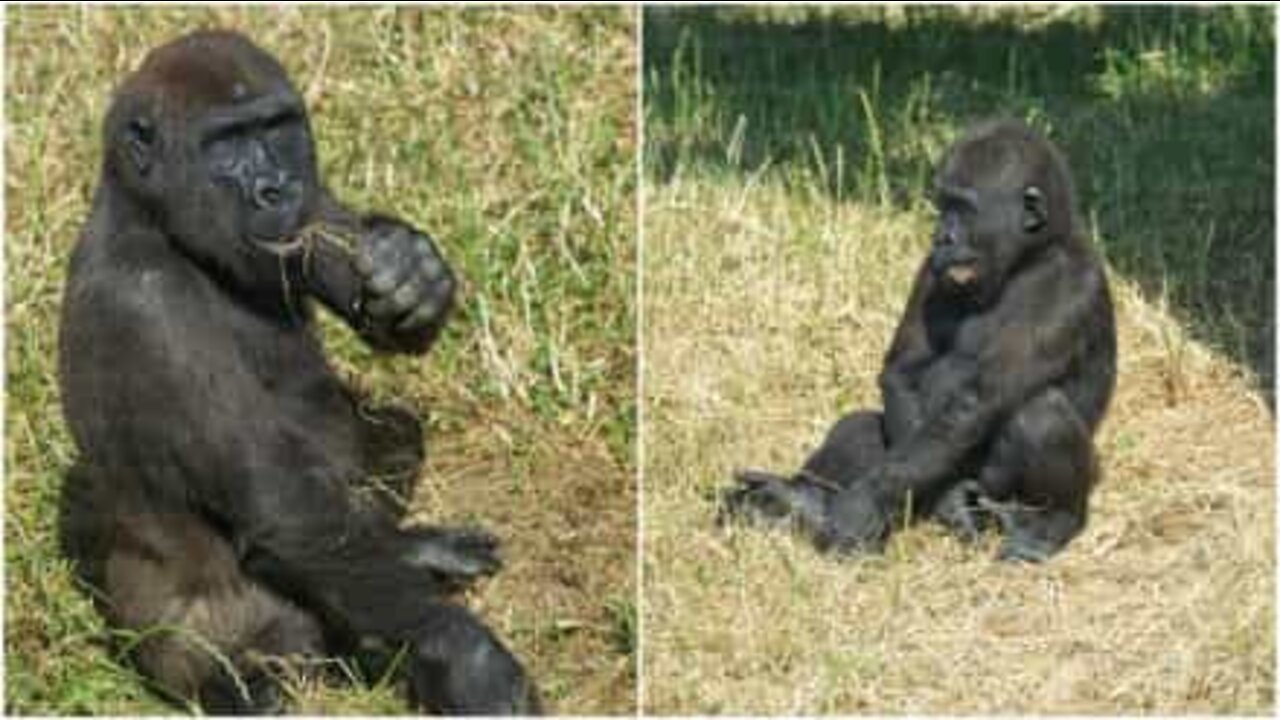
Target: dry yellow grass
x,y
766,313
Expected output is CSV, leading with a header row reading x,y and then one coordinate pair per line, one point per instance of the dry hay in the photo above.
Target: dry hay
x,y
766,315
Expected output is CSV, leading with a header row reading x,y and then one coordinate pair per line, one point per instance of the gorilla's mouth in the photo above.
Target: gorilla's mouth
x,y
275,233
278,246
274,227
962,274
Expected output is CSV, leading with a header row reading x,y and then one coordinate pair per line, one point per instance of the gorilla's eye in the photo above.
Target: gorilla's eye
x,y
956,207
222,153
955,199
284,135
288,119
140,139
142,131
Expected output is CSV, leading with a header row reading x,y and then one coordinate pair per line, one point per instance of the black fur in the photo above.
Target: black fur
x,y
1000,371
225,484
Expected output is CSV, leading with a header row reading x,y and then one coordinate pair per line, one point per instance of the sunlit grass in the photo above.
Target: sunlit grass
x,y
1166,114
784,217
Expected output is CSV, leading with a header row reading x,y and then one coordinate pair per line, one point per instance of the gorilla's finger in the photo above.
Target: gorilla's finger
x,y
473,539
432,266
389,276
370,255
386,258
423,315
446,558
408,295
440,289
767,499
403,297
455,550
734,505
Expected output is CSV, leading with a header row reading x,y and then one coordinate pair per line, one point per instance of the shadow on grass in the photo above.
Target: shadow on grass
x,y
1166,114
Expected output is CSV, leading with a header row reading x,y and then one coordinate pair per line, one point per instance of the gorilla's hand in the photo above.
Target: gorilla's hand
x,y
460,556
857,521
407,289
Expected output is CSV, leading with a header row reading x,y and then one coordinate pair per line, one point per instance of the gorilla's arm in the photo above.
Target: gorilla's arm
x,y
253,468
910,349
392,286
1002,358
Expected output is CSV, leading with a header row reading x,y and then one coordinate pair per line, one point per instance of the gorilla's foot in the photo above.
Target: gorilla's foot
x,y
963,511
1035,534
773,500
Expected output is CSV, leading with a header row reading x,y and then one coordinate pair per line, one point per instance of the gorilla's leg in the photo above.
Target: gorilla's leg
x,y
459,666
962,509
1038,477
206,632
84,525
853,446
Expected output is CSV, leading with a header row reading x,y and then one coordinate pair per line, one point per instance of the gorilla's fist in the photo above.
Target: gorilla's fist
x,y
406,287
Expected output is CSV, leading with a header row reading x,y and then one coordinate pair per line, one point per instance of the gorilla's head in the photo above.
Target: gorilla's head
x,y
210,138
1002,192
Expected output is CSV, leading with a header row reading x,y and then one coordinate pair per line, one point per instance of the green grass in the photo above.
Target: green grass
x,y
788,154
509,135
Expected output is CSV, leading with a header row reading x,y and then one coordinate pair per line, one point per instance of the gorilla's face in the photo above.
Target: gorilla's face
x,y
211,137
988,216
958,258
257,163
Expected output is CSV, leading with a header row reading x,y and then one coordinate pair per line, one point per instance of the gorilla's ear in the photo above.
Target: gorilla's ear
x,y
1035,211
140,141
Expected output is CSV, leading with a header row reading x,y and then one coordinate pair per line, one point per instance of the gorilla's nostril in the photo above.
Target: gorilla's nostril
x,y
267,194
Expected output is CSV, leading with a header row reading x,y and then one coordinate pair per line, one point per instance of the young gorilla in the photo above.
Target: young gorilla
x,y
210,506
999,373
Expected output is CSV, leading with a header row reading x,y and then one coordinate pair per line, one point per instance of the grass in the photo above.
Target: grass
x,y
787,158
1165,113
510,136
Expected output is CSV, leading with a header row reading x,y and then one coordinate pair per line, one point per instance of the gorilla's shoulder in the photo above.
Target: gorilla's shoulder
x,y
134,273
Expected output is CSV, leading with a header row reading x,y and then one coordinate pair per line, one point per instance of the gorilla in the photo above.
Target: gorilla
x,y
1001,368
233,502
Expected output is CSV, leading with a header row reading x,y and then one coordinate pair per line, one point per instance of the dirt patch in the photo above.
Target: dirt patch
x,y
566,514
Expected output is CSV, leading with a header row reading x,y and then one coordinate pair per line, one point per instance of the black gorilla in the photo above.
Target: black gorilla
x,y
226,501
1000,371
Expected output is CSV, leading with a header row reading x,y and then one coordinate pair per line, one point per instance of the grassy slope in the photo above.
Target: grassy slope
x,y
510,136
783,219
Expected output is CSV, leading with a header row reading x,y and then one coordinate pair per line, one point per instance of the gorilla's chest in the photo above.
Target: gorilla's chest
x,y
283,362
953,359
293,380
